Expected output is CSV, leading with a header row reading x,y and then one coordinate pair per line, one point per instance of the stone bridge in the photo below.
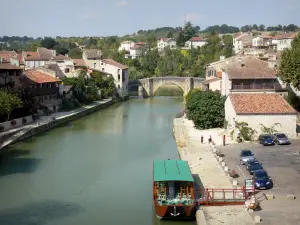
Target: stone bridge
x,y
148,86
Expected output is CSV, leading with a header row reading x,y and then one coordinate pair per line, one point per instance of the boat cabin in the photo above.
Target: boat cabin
x,y
173,183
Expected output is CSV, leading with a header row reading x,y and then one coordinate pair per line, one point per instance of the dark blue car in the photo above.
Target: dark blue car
x,y
262,180
266,139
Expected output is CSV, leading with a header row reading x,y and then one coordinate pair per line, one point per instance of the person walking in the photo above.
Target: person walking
x,y
201,139
224,140
209,139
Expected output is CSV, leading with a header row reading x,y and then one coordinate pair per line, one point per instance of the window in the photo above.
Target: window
x,y
94,65
67,70
101,62
102,69
118,77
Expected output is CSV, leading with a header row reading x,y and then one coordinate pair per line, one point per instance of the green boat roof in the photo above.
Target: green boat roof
x,y
172,170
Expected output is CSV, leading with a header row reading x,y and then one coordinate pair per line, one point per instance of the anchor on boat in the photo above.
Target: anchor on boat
x,y
175,214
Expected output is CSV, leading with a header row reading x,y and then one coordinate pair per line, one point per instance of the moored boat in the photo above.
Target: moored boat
x,y
173,190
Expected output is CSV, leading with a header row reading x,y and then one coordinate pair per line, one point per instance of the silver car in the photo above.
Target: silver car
x,y
246,155
281,139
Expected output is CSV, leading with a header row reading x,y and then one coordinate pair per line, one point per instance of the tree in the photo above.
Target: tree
x,y
170,34
205,108
34,46
9,102
75,53
60,50
261,27
48,42
180,40
255,27
289,70
188,31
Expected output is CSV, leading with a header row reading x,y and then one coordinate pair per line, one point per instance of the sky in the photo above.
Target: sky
x,y
39,18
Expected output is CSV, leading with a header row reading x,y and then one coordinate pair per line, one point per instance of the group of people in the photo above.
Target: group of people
x,y
210,139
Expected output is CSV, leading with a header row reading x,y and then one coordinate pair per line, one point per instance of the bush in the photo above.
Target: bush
x,y
24,120
205,108
13,122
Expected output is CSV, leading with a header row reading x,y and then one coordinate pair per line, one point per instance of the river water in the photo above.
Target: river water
x,y
95,170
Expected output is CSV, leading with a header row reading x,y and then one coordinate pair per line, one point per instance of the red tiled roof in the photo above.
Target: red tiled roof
x,y
60,57
114,63
32,56
197,39
6,55
250,67
285,36
40,77
8,66
260,104
79,62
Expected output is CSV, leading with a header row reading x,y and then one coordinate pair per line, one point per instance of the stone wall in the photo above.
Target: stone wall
x,y
19,122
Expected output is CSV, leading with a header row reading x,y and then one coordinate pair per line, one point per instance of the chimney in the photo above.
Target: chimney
x,y
242,65
222,57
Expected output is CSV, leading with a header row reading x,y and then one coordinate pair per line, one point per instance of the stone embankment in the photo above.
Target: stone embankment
x,y
206,166
48,122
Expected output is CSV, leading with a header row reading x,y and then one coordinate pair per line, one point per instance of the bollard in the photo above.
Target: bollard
x,y
289,196
226,168
234,182
257,219
223,164
269,196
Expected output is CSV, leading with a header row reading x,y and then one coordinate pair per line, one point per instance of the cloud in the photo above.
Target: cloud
x,y
193,17
122,3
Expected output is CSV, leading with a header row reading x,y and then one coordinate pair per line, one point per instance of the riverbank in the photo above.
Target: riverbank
x,y
205,165
45,123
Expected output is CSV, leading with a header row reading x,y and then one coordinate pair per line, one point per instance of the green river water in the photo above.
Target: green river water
x,y
95,170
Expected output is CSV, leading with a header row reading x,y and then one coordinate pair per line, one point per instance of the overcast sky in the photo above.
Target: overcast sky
x,y
38,18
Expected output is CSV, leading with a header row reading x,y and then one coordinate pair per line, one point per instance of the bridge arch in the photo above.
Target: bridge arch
x,y
149,86
159,85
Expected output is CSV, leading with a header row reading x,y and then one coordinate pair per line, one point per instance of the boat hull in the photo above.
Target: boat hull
x,y
175,212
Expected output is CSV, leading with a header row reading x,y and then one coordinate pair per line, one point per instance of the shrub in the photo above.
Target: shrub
x,y
13,122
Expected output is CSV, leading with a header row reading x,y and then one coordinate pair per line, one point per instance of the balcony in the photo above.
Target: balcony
x,y
275,87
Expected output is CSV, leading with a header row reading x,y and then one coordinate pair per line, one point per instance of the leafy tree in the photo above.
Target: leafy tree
x,y
261,27
34,46
180,40
255,27
134,74
188,31
75,53
289,70
149,62
170,34
205,108
48,42
60,50
9,102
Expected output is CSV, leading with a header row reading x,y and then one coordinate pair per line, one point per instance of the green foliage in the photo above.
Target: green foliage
x,y
270,130
246,132
34,46
9,102
75,53
134,74
48,42
180,40
205,108
289,70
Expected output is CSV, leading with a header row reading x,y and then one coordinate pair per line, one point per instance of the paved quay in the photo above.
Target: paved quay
x,y
204,164
44,120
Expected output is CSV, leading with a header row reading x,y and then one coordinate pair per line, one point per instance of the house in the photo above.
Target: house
x,y
92,58
195,42
79,64
10,76
135,52
120,74
126,45
39,58
43,88
257,109
5,56
166,42
63,65
284,41
243,74
242,40
262,41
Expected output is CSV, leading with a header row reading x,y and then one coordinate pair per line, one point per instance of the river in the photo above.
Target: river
x,y
95,170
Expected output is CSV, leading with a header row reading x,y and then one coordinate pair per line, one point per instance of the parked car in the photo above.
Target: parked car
x,y
250,162
254,167
266,139
246,155
281,139
262,180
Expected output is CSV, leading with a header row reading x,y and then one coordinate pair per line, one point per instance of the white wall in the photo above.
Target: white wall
x,y
122,86
161,44
126,46
35,64
283,44
195,44
288,123
230,114
226,84
215,85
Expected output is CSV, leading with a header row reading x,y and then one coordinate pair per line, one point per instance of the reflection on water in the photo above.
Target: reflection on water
x,y
96,170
